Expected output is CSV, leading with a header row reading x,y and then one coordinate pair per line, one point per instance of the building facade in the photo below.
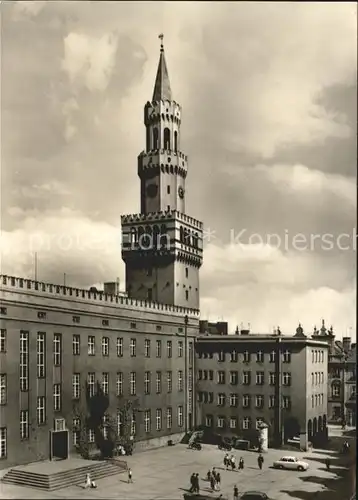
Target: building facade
x,y
59,344
342,377
244,380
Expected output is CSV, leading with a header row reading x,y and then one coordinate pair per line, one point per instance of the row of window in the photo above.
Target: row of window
x,y
317,400
317,356
245,379
160,415
233,422
246,356
317,378
233,400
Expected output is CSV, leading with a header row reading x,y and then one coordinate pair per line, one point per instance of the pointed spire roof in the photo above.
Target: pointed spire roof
x,y
162,90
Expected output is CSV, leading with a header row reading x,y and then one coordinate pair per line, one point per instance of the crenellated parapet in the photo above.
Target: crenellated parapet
x,y
41,288
162,161
161,216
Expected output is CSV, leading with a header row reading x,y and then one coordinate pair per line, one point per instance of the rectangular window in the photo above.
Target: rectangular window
x,y
147,383
105,346
247,357
57,349
158,419
119,383
24,361
260,378
286,378
272,356
76,345
41,354
2,341
221,356
24,424
186,295
119,347
272,401
91,383
41,410
119,423
221,399
133,326
233,357
158,349
259,401
287,357
3,311
234,378
147,421
41,315
209,420
221,377
180,380
105,322
158,382
57,397
169,381
76,387
169,348
180,349
259,357
246,378
169,418
234,400
180,416
286,402
133,425
3,389
272,378
246,401
233,422
76,319
133,348
105,383
76,430
91,345
246,423
221,422
91,436
3,442
186,272
132,384
147,348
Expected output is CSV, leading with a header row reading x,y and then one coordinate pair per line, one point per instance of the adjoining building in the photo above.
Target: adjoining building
x,y
58,342
342,377
244,380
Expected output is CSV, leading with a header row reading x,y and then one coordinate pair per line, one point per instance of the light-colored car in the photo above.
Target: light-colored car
x,y
291,463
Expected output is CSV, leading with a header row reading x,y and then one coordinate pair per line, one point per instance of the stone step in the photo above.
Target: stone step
x,y
63,479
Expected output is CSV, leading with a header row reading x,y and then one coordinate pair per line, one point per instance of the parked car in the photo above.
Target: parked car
x,y
254,495
291,463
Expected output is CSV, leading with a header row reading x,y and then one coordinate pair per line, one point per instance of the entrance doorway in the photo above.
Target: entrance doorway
x,y
59,445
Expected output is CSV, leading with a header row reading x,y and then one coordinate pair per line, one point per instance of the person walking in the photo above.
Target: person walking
x,y
236,493
208,475
196,483
192,483
260,461
218,480
232,462
226,461
130,476
241,464
212,482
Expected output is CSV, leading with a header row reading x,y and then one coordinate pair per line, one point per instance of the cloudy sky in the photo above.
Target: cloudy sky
x,y
269,123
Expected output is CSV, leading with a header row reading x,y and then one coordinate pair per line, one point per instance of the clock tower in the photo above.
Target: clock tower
x,y
162,247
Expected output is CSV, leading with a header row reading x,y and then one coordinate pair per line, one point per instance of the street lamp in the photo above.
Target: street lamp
x,y
186,320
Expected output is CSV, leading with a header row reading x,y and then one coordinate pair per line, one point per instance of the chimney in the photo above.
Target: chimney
x,y
244,332
346,344
203,326
110,287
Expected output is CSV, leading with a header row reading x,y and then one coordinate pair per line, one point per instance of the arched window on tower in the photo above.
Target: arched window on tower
x,y
133,237
175,141
166,139
148,139
155,139
181,234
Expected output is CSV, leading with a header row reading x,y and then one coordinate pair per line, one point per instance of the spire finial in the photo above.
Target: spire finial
x,y
161,37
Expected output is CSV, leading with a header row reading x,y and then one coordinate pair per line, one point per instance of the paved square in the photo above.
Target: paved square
x,y
164,474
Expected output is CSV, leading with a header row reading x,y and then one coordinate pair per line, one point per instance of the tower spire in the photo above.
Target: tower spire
x,y
162,90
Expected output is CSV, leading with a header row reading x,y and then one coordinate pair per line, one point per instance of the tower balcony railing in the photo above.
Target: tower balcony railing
x,y
167,215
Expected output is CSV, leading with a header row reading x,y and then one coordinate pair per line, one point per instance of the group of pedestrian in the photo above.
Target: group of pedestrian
x,y
230,462
194,483
214,479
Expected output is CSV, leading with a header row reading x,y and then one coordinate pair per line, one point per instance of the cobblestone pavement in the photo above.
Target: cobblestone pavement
x,y
164,474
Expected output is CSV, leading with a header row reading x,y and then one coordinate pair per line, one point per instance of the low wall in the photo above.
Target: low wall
x,y
150,444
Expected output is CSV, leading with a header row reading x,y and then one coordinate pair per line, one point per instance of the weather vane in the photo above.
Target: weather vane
x,y
161,36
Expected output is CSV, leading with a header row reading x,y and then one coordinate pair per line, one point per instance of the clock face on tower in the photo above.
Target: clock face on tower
x,y
181,192
152,190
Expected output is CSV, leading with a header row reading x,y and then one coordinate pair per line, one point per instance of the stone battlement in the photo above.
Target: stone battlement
x,y
153,216
12,282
